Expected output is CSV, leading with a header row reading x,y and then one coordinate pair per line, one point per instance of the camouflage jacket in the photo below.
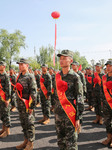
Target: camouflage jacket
x,y
13,81
47,83
82,77
6,86
74,92
37,78
88,85
29,87
102,95
97,87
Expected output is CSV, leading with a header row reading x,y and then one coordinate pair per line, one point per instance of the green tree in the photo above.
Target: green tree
x,y
81,59
10,45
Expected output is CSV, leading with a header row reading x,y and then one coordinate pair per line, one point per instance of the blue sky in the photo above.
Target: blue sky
x,y
84,25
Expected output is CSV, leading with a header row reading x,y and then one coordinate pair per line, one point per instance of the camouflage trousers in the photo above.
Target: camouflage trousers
x,y
13,100
45,104
27,121
66,135
107,114
5,114
52,100
90,99
97,105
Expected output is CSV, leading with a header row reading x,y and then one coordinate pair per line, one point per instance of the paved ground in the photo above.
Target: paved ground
x,y
89,139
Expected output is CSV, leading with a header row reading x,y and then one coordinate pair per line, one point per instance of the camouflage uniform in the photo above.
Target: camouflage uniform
x,y
96,96
107,111
89,91
13,94
5,111
27,120
45,103
37,78
52,94
82,77
66,135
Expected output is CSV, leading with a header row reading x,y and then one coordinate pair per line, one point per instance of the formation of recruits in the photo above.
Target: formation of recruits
x,y
61,92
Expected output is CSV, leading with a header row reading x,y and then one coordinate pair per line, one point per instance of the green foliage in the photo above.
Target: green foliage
x,y
81,59
33,63
10,45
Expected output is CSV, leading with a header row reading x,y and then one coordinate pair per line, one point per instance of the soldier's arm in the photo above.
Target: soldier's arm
x,y
33,91
79,98
38,82
84,84
49,84
7,88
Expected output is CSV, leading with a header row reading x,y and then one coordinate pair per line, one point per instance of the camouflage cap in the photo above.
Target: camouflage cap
x,y
88,68
44,65
66,53
2,63
51,68
75,63
109,62
23,60
98,64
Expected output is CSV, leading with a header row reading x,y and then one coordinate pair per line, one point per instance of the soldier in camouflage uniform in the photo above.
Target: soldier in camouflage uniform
x,y
52,91
75,66
26,98
5,89
89,88
96,83
107,102
66,132
13,94
45,80
37,78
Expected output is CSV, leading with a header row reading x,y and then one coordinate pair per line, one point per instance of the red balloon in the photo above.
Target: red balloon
x,y
55,14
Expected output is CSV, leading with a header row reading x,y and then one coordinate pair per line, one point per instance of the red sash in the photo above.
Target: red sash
x,y
107,95
52,90
66,105
43,88
26,102
89,79
2,94
98,78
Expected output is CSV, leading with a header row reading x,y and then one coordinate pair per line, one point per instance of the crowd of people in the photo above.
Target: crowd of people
x,y
60,92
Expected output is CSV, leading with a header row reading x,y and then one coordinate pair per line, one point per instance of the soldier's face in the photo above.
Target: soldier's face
x,y
23,67
44,69
65,61
50,71
11,72
98,68
2,68
109,68
74,67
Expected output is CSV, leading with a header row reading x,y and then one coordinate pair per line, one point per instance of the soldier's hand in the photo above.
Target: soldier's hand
x,y
30,111
7,103
77,124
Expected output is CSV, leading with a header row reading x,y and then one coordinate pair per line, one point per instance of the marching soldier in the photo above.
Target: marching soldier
x,y
68,96
45,93
26,90
37,78
52,91
13,94
96,83
75,66
107,102
89,88
5,93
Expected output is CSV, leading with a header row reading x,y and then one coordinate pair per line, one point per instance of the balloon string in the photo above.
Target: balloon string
x,y
55,43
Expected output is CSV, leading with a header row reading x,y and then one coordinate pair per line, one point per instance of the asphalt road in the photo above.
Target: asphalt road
x,y
89,139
